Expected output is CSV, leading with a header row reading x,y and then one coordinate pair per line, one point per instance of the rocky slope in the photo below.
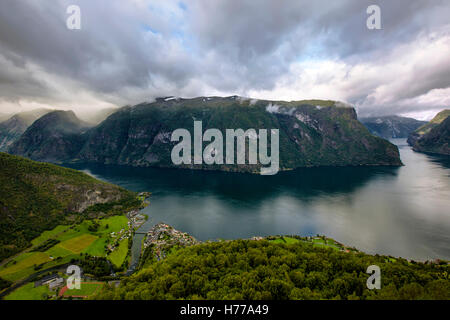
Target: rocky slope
x,y
57,136
419,132
437,140
12,128
312,133
388,127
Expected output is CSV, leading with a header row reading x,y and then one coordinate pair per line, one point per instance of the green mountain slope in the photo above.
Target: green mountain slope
x,y
57,136
419,132
439,118
35,197
434,134
12,128
388,127
437,140
312,133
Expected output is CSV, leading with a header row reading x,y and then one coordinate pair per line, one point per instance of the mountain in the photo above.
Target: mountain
x,y
12,128
388,127
312,133
419,132
437,140
57,136
35,197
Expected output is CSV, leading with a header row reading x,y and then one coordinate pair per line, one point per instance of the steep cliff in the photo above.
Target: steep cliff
x,y
312,133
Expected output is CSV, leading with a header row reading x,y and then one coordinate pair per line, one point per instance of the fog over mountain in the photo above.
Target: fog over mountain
x,y
132,51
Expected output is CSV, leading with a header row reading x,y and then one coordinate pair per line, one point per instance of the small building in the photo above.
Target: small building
x,y
59,282
46,280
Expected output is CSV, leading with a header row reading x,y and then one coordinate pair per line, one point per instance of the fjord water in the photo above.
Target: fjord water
x,y
403,212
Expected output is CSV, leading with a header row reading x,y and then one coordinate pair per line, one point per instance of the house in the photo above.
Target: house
x,y
59,282
46,280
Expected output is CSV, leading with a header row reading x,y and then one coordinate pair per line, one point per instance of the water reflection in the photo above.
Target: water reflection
x,y
304,183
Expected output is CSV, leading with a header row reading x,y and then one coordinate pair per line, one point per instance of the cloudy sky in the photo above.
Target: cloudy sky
x,y
130,51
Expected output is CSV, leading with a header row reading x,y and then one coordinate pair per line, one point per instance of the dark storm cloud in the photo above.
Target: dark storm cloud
x,y
129,51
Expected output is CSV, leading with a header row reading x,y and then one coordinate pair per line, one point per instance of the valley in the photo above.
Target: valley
x,y
113,235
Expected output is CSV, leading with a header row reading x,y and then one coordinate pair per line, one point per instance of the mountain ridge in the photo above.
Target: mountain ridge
x,y
54,137
306,130
312,133
15,125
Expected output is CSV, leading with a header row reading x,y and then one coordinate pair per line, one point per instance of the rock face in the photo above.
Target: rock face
x,y
57,136
433,133
312,133
12,128
437,140
388,127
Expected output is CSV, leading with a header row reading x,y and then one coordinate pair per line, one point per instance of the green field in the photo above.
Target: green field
x,y
319,242
118,256
73,241
287,240
330,243
79,243
29,292
25,261
49,234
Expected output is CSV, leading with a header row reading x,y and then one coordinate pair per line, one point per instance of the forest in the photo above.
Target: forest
x,y
254,270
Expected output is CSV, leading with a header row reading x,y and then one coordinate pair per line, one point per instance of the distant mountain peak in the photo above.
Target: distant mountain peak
x,y
391,126
15,126
58,135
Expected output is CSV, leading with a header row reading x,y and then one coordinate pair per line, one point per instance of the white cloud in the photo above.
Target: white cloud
x,y
133,51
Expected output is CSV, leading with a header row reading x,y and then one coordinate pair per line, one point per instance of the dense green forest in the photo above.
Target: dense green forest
x,y
245,269
35,197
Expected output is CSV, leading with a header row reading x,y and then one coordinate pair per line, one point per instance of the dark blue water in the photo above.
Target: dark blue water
x,y
396,211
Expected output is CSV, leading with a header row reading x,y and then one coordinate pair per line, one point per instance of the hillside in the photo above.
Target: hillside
x,y
434,134
419,132
35,197
12,128
437,140
388,127
279,268
57,136
312,133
